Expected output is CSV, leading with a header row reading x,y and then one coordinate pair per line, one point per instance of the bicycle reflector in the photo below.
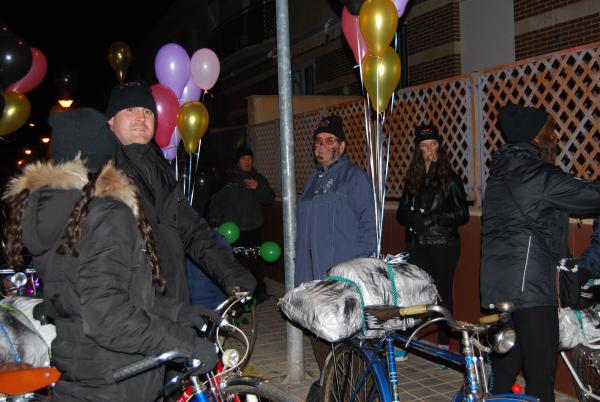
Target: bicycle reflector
x,y
502,338
230,358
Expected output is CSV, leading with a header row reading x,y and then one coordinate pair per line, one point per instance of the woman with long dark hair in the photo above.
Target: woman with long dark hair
x,y
432,206
94,249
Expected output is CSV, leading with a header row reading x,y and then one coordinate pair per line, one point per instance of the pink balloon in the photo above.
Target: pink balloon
x,y
172,67
167,107
400,6
353,35
170,151
191,92
205,68
34,76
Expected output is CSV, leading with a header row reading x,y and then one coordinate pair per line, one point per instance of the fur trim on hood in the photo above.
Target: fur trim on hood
x,y
73,175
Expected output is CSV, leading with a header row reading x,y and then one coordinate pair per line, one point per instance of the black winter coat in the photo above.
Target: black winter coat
x,y
241,205
103,301
442,212
525,221
178,229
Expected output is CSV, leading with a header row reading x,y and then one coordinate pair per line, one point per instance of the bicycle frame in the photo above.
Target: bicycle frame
x,y
578,383
381,365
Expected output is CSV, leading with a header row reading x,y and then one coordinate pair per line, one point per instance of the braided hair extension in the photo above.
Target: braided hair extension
x,y
148,236
13,235
73,229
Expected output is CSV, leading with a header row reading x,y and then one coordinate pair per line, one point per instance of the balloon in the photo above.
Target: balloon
x,y
167,108
378,20
170,151
16,112
172,67
191,92
35,75
192,124
353,6
205,68
15,59
380,77
270,251
400,6
1,103
353,35
119,58
230,231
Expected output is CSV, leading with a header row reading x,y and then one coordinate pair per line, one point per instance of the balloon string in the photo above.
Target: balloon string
x,y
197,153
176,167
189,178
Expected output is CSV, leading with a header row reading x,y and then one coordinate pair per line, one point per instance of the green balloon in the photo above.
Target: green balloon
x,y
270,251
230,231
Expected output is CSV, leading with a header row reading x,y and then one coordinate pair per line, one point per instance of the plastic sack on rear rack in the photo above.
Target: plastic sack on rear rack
x,y
578,326
333,308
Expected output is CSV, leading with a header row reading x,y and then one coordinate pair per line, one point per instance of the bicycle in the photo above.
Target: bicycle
x,y
226,383
365,369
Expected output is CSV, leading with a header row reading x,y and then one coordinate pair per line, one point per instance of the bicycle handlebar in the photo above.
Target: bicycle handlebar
x,y
147,363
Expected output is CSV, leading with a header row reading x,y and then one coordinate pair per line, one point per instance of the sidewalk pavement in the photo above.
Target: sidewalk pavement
x,y
419,379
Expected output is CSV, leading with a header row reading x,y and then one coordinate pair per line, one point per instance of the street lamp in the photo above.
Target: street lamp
x,y
45,140
28,152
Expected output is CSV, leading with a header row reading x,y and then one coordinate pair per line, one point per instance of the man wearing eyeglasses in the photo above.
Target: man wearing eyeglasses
x,y
336,213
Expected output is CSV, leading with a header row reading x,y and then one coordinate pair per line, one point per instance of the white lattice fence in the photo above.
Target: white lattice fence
x,y
566,84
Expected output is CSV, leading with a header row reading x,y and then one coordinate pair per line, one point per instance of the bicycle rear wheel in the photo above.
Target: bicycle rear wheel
x,y
586,363
342,378
242,316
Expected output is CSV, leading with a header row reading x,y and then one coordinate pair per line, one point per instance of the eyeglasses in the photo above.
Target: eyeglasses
x,y
329,141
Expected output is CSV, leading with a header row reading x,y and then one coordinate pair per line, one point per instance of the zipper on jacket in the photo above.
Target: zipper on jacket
x,y
526,262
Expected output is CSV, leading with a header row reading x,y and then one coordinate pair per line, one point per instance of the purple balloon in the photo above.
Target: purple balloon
x,y
172,67
170,151
191,92
400,6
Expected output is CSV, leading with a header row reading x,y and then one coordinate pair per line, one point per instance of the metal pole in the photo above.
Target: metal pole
x,y
288,183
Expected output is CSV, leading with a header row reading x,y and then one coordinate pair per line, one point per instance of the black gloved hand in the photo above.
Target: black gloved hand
x,y
192,315
206,352
583,275
418,223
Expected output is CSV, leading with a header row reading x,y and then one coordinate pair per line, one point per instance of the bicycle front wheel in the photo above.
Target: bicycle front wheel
x,y
586,363
258,392
343,378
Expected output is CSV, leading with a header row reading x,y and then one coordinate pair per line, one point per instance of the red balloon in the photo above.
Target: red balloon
x,y
34,76
354,36
167,107
517,389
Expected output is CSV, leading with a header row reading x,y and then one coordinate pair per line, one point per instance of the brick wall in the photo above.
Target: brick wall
x,y
428,31
561,35
435,70
529,8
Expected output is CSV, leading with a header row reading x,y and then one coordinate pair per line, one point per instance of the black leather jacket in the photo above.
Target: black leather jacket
x,y
440,212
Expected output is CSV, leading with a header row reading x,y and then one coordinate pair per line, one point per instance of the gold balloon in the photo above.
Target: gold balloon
x,y
380,77
192,123
378,20
16,112
119,57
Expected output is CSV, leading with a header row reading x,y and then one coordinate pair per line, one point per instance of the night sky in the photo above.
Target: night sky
x,y
75,38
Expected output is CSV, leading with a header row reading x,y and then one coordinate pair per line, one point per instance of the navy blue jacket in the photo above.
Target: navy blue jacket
x,y
335,218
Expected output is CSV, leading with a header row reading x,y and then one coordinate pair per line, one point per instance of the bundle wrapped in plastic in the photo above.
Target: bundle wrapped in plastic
x,y
578,326
25,338
333,308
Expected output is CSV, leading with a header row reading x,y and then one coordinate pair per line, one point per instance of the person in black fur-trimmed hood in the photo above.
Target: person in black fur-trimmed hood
x,y
91,244
525,222
178,228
